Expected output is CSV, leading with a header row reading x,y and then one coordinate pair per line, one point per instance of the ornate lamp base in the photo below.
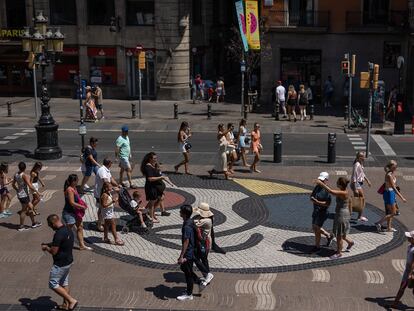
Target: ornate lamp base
x,y
47,142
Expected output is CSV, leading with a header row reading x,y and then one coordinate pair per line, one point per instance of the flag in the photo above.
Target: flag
x,y
242,23
252,25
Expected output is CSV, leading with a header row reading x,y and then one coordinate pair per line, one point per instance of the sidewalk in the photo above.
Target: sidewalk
x,y
159,116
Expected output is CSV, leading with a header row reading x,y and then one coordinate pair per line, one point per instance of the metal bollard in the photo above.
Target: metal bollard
x,y
245,112
209,111
331,147
311,110
276,112
277,147
9,112
346,112
175,111
134,110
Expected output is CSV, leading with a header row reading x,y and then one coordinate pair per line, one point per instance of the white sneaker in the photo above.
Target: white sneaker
x,y
23,228
36,225
185,296
202,286
209,277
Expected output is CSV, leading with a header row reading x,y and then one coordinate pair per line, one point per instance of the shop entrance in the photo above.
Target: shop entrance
x,y
302,66
15,78
148,77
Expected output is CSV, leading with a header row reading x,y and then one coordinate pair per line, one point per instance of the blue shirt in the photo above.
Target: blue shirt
x,y
187,232
323,195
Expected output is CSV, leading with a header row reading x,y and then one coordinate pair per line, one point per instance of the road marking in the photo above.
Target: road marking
x,y
21,256
29,130
382,143
408,178
47,195
11,137
20,134
360,147
358,143
341,173
3,142
320,275
261,288
399,265
373,277
355,138
49,177
353,135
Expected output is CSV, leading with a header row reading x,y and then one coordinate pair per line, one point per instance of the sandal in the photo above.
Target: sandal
x,y
85,248
107,241
62,307
119,243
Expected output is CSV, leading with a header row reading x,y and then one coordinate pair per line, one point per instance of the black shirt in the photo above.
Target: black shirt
x,y
187,232
90,151
63,239
321,194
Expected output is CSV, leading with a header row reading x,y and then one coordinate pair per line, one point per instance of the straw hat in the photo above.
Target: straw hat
x,y
203,210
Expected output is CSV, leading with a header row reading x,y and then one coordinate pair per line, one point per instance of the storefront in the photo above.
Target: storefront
x,y
302,66
68,68
148,74
102,65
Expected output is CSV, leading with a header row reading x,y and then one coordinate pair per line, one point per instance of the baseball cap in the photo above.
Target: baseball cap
x,y
124,128
409,234
323,176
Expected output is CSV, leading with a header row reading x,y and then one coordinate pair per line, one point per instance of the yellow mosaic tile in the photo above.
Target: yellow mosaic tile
x,y
261,187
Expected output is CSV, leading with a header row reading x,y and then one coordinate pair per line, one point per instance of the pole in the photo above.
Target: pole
x,y
35,89
371,86
81,112
140,94
350,101
242,88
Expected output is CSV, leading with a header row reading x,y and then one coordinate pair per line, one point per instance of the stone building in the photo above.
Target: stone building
x,y
101,40
308,39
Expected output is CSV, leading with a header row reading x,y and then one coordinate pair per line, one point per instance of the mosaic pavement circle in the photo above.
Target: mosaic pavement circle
x,y
264,225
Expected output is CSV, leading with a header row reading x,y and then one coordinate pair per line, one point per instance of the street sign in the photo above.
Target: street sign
x,y
242,66
364,81
82,129
141,60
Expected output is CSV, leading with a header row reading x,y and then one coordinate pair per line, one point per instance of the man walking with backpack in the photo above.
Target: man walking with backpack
x,y
90,164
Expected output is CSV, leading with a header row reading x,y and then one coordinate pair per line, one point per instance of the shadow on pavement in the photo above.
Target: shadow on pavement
x,y
10,152
42,303
9,225
385,302
301,249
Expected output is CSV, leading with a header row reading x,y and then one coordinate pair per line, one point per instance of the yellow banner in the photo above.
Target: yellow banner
x,y
252,25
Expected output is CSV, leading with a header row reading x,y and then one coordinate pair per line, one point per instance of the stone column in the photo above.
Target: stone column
x,y
82,37
172,42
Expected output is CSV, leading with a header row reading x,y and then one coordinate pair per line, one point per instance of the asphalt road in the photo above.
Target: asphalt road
x,y
298,149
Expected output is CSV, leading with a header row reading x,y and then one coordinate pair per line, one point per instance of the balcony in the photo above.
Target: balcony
x,y
392,21
317,21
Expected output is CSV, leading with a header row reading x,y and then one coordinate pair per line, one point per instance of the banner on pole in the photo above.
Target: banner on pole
x,y
252,24
242,23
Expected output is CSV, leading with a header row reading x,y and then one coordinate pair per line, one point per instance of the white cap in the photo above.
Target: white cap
x,y
323,176
409,234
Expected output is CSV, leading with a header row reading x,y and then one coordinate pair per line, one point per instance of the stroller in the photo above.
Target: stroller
x,y
133,224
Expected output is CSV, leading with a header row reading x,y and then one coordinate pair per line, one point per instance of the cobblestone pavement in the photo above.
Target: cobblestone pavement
x,y
254,219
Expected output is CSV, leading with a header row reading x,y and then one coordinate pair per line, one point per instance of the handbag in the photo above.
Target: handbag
x,y
357,205
247,140
381,189
80,212
187,146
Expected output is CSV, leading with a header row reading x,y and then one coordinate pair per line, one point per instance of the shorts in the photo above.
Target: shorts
x,y
89,169
68,218
4,191
24,200
356,186
319,217
124,163
59,276
99,106
389,197
282,103
108,213
242,142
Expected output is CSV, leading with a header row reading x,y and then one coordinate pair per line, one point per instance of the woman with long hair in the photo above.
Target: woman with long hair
x,y
390,193
302,101
184,133
35,180
231,147
242,140
291,102
256,147
74,209
357,180
342,218
107,202
154,184
221,165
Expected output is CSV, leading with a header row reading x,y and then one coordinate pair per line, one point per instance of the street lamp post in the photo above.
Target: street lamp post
x,y
46,45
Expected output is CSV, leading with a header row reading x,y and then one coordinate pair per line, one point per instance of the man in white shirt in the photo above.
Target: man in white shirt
x,y
103,175
280,97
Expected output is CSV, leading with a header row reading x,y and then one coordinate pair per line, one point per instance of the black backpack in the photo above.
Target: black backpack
x,y
303,99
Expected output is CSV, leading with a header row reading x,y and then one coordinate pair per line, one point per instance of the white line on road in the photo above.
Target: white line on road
x,y
11,137
341,173
355,138
20,134
360,147
357,142
373,277
382,143
28,130
3,142
320,275
353,135
408,178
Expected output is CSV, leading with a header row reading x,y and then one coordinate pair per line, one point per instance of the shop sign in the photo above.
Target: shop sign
x,y
11,34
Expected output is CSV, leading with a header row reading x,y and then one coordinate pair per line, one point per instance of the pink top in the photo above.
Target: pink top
x,y
255,140
358,174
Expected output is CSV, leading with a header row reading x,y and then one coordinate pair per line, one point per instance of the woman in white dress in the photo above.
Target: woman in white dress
x,y
184,147
221,164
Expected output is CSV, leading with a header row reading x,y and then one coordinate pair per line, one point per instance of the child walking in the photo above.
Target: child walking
x,y
107,205
5,196
35,180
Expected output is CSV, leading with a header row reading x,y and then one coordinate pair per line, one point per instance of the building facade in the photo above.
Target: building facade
x,y
101,40
307,40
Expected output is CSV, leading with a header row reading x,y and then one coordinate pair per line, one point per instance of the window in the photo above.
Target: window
x,y
62,12
391,52
139,12
376,11
16,13
100,12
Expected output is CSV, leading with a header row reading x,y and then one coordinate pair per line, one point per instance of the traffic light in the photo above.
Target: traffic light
x,y
364,80
375,76
345,67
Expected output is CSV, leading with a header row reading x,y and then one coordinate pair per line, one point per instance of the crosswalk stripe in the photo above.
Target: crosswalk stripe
x,y
382,143
11,137
360,147
353,135
49,177
3,142
355,138
20,134
399,265
320,275
341,173
373,277
357,142
408,178
29,130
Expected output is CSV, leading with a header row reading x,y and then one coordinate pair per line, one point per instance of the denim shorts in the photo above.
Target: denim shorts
x,y
124,163
389,197
59,276
68,218
89,169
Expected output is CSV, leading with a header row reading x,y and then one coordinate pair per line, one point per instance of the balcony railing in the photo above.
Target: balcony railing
x,y
391,20
298,19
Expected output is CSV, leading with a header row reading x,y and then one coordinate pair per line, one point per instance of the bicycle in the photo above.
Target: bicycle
x,y
357,119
